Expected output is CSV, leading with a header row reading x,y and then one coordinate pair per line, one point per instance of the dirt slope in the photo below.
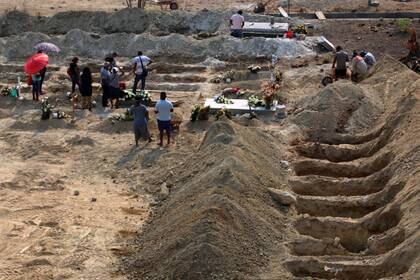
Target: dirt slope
x,y
354,180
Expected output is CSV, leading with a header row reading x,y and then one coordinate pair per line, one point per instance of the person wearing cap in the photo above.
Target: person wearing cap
x,y
368,58
141,118
105,79
114,87
237,22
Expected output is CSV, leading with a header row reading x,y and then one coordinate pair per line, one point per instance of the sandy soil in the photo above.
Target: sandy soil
x,y
40,7
64,213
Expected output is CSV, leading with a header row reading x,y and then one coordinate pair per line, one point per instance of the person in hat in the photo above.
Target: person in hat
x,y
140,125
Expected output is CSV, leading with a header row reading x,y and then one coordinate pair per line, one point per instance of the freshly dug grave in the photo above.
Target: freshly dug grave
x,y
360,214
219,221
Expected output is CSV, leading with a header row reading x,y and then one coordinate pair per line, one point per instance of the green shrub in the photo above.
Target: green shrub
x,y
404,24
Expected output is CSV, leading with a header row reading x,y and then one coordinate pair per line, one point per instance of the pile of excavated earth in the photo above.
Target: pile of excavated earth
x,y
181,34
346,206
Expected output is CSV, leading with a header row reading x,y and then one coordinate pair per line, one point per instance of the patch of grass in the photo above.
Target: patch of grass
x,y
404,24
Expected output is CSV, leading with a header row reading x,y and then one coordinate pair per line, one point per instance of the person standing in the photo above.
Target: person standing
x,y
339,65
237,22
163,109
141,118
86,88
74,73
42,73
114,87
140,63
36,81
105,80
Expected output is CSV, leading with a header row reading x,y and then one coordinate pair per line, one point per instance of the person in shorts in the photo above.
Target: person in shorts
x,y
163,109
141,118
339,65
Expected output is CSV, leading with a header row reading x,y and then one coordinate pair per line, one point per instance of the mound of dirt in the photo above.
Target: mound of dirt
x,y
83,44
339,108
219,221
124,21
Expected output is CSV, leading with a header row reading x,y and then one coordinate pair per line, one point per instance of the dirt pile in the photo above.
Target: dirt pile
x,y
124,21
219,221
340,107
357,193
84,44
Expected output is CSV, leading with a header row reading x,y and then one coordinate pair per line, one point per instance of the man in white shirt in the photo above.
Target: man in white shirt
x,y
140,63
163,109
237,22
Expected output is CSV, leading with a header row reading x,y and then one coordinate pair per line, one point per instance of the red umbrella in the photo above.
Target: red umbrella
x,y
35,63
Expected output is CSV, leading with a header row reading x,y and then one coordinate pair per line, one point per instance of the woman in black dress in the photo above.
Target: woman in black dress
x,y
86,88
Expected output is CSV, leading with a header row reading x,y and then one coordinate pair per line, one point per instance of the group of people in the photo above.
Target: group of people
x,y
110,74
360,64
83,82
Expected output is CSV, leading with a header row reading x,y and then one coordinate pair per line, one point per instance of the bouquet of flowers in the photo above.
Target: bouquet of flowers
x,y
221,99
254,101
46,108
144,96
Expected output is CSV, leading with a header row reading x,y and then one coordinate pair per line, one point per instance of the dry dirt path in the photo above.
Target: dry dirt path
x,y
49,232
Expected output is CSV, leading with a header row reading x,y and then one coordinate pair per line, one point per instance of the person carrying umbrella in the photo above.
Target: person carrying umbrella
x,y
45,48
42,72
32,67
